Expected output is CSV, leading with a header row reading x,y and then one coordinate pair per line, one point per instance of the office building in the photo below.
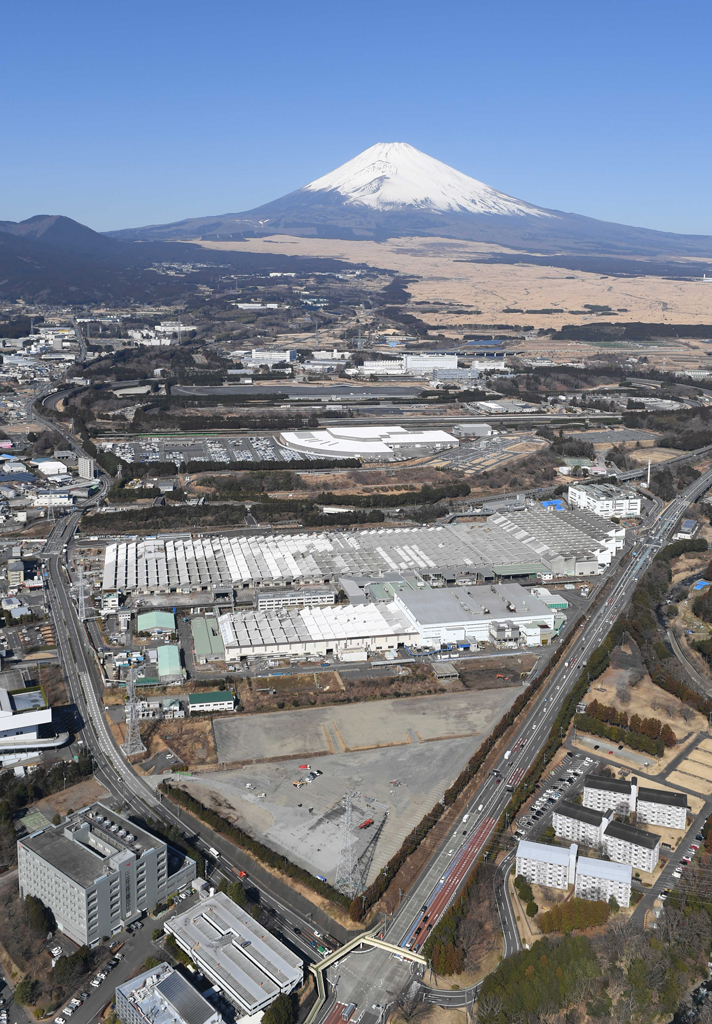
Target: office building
x,y
239,956
605,794
85,465
604,499
627,844
98,872
600,879
578,824
659,807
547,865
162,996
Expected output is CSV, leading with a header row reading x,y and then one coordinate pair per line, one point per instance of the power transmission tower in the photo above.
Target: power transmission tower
x,y
133,744
348,879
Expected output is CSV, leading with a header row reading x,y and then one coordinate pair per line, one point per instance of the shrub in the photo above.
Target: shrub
x,y
532,909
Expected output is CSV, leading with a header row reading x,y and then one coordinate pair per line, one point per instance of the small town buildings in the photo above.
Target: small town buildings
x,y
547,865
605,794
659,807
627,844
600,879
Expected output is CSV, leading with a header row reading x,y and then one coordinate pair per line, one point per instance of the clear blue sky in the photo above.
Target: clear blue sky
x,y
123,114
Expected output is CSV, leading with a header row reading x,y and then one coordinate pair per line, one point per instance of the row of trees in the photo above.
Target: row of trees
x,y
576,913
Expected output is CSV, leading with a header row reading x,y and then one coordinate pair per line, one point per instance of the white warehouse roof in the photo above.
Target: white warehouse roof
x,y
348,442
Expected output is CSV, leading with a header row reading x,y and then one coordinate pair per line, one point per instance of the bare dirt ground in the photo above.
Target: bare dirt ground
x,y
53,684
482,674
74,797
493,288
190,739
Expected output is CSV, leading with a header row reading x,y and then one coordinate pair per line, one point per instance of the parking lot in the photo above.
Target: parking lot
x,y
253,448
561,783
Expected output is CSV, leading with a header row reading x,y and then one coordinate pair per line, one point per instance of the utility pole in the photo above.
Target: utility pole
x,y
82,605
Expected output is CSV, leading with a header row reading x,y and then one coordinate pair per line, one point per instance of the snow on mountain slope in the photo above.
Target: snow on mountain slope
x,y
391,175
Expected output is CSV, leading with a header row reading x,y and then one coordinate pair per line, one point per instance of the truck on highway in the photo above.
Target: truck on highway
x,y
213,852
507,755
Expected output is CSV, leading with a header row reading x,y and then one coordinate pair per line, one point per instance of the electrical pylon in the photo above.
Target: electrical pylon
x,y
348,880
133,744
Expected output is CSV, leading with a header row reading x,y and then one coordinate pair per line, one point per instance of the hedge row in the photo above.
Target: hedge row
x,y
246,842
412,841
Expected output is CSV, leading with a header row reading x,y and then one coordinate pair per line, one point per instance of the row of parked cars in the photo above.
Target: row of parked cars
x,y
684,861
567,775
103,974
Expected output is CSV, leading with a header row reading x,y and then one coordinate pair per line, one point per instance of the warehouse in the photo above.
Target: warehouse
x,y
370,443
169,666
342,631
207,641
488,614
500,549
151,622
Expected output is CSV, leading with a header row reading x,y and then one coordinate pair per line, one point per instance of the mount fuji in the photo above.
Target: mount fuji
x,y
392,190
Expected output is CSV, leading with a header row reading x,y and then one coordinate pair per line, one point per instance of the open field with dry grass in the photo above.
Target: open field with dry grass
x,y
493,288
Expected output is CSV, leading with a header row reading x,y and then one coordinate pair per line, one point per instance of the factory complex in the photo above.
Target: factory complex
x,y
372,443
508,547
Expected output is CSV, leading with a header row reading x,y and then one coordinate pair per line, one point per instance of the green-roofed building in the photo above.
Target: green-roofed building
x,y
150,622
217,700
169,666
207,639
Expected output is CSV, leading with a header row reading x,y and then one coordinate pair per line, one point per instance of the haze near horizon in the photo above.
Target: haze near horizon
x,y
144,115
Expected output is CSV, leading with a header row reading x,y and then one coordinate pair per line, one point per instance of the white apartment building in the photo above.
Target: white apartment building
x,y
601,793
546,865
627,844
600,879
98,872
604,499
657,807
580,825
85,465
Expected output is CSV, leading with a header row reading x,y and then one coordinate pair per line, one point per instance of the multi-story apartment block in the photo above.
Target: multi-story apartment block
x,y
601,793
600,879
98,872
657,807
578,824
163,996
546,865
627,844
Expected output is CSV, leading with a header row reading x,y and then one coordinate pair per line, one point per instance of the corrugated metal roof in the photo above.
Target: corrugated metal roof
x,y
188,1003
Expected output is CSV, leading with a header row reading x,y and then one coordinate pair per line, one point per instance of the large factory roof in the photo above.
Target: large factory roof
x,y
312,624
500,601
193,562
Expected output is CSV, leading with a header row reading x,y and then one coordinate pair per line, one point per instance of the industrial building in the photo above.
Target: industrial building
x,y
547,865
602,793
412,364
162,996
344,631
369,443
216,700
270,600
236,953
170,669
151,622
98,872
476,615
604,499
660,807
503,548
627,844
207,639
600,879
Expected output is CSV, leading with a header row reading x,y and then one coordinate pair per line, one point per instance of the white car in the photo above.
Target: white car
x,y
59,1020
68,1011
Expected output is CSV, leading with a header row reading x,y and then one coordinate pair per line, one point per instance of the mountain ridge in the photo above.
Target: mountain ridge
x,y
394,190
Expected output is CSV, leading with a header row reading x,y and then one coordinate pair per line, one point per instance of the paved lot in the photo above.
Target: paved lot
x,y
405,780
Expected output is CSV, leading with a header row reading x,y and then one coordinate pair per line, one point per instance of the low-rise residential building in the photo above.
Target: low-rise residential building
x,y
162,996
604,499
219,700
578,824
627,844
236,953
547,865
98,872
15,572
660,807
600,879
602,793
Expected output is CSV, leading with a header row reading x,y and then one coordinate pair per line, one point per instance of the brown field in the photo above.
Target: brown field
x,y
493,288
190,739
72,798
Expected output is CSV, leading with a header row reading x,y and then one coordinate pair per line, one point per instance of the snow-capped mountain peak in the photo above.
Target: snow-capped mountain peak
x,y
392,175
